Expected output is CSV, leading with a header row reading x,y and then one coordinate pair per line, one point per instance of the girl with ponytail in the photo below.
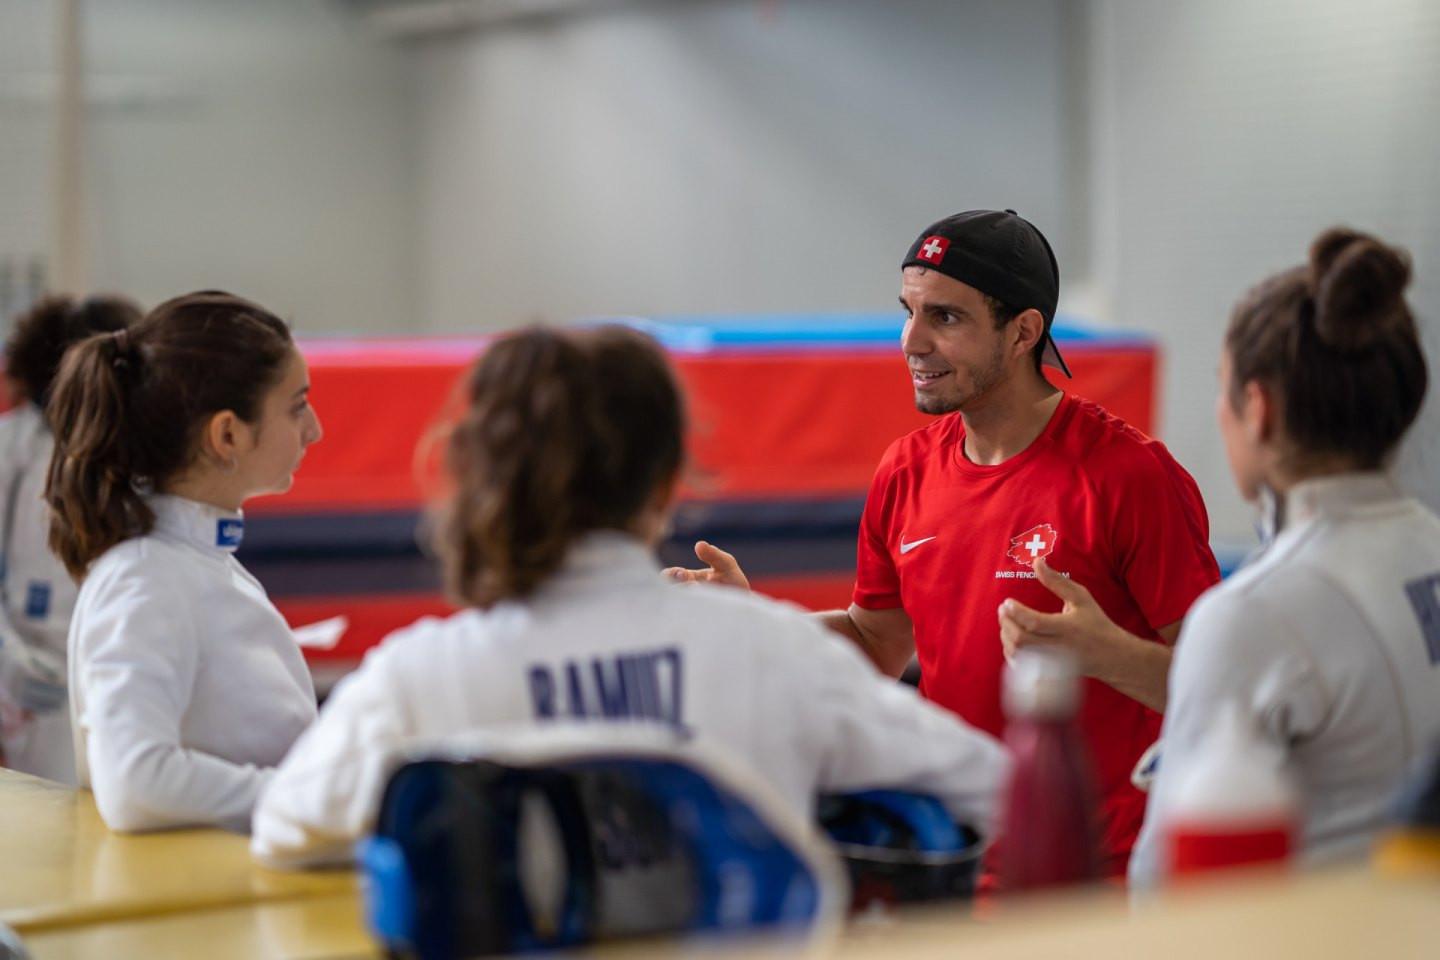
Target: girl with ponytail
x,y
186,683
564,470
1329,642
36,594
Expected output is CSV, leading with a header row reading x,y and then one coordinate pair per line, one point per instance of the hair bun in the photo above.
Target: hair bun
x,y
1358,284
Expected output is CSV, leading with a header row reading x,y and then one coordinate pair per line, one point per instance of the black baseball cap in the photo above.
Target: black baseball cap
x,y
1001,254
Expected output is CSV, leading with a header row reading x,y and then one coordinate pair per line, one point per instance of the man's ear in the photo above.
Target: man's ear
x,y
1027,329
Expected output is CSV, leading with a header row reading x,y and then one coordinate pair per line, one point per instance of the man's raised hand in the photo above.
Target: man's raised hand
x,y
721,568
1080,627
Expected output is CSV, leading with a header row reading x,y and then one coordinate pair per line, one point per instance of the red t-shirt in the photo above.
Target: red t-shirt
x,y
948,540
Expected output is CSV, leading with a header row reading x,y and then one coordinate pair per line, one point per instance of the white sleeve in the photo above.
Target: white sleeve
x,y
1234,647
880,734
326,793
9,635
137,665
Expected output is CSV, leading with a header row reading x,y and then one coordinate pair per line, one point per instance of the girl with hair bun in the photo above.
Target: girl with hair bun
x,y
36,595
186,684
1329,642
565,469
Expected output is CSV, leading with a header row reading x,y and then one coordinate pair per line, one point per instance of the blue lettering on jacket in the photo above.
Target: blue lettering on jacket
x,y
630,686
1424,595
37,600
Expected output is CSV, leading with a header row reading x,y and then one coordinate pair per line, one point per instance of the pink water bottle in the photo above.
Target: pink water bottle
x,y
1230,804
1047,837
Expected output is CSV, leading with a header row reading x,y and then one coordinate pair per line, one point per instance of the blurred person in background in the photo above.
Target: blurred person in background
x,y
186,684
1019,489
564,470
36,594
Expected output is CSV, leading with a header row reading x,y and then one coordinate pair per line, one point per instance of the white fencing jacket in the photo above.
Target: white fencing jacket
x,y
1330,643
36,593
186,684
608,641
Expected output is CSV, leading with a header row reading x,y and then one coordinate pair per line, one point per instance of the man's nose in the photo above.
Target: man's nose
x,y
913,340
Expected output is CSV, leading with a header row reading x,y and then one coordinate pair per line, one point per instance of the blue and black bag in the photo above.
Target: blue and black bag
x,y
554,848
900,847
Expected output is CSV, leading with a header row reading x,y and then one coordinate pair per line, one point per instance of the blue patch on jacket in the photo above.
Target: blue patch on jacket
x,y
229,532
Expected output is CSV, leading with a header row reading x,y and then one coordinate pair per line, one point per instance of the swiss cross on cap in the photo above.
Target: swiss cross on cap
x,y
1033,544
932,250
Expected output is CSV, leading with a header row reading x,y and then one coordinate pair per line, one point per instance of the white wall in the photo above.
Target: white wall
x,y
1231,132
263,147
718,155
26,157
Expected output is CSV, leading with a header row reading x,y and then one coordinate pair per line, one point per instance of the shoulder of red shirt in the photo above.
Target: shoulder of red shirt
x,y
1089,435
920,445
1101,442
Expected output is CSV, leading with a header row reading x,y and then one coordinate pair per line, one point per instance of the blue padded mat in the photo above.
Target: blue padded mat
x,y
707,333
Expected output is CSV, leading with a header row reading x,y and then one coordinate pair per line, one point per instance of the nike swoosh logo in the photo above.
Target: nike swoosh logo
x,y
907,547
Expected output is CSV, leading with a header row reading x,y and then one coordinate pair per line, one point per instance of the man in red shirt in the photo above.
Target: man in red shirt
x,y
1024,502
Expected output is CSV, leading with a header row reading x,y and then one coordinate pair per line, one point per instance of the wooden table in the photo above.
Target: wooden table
x,y
1340,915
63,867
312,928
76,892
1351,914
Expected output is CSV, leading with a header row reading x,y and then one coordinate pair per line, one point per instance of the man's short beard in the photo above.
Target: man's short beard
x,y
982,381
936,406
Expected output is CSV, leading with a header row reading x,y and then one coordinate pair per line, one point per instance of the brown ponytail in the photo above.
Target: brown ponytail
x,y
1337,343
128,408
567,432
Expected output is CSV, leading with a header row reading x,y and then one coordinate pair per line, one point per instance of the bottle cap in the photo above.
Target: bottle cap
x,y
1042,684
